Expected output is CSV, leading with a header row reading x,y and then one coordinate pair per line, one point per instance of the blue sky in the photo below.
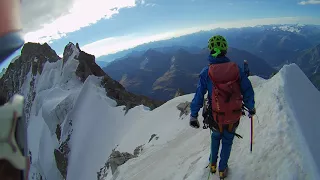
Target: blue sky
x,y
102,27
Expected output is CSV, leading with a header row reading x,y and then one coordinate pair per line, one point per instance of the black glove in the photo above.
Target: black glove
x,y
194,122
252,112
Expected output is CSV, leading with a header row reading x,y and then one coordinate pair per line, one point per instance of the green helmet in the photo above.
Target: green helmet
x,y
217,43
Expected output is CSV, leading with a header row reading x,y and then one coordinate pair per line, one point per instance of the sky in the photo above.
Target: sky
x,y
106,26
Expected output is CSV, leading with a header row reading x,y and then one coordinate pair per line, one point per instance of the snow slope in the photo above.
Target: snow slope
x,y
283,148
98,127
83,111
284,143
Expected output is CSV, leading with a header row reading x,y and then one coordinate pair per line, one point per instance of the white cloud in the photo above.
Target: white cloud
x,y
75,14
309,2
144,3
115,44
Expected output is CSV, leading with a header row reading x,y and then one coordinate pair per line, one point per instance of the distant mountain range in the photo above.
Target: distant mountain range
x,y
272,45
159,73
309,61
277,44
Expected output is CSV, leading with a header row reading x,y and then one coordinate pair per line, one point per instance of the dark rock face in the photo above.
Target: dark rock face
x,y
115,160
117,92
61,156
87,65
138,150
3,98
152,136
58,132
68,50
32,55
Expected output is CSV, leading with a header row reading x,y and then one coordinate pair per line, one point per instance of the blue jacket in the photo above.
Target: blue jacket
x,y
205,84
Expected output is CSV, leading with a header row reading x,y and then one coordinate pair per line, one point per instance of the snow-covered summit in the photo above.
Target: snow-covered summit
x,y
290,28
303,100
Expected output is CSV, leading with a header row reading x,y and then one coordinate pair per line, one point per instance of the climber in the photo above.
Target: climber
x,y
14,163
226,84
246,68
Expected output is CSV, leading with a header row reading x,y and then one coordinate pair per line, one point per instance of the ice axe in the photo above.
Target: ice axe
x,y
251,143
251,118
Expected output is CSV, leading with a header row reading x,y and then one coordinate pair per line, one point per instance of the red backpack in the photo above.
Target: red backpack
x,y
226,94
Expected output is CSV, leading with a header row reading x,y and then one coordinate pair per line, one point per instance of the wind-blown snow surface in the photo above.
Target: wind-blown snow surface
x,y
285,138
281,150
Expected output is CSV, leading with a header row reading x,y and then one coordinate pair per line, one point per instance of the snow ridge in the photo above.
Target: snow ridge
x,y
281,149
70,119
78,122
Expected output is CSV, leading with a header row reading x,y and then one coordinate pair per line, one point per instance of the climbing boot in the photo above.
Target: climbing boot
x,y
213,168
223,174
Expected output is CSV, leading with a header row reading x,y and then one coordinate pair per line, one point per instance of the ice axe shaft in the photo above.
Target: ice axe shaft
x,y
251,134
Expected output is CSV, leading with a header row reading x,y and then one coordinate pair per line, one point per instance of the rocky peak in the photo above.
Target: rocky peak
x,y
69,50
33,56
87,66
41,51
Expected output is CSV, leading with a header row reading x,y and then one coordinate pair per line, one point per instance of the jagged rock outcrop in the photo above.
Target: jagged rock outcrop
x,y
117,92
61,157
117,159
179,93
87,66
184,108
152,136
138,150
33,55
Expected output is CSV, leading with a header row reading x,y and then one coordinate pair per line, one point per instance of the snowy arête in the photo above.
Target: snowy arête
x,y
74,127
